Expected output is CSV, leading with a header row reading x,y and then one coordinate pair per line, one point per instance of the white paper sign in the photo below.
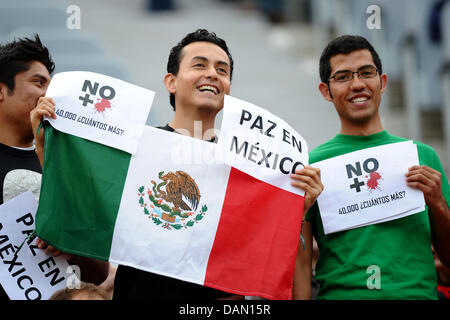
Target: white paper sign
x,y
260,144
100,108
31,274
368,186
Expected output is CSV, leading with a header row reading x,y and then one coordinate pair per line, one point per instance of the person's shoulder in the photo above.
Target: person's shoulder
x,y
17,152
394,138
424,147
4,147
421,146
427,154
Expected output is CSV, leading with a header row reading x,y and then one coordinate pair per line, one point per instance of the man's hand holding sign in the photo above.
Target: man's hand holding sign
x,y
429,181
44,108
308,179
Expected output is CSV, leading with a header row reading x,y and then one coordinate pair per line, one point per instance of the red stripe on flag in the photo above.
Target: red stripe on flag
x,y
257,239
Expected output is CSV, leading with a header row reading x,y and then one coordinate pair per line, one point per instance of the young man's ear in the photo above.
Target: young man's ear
x,y
169,82
384,80
3,91
325,91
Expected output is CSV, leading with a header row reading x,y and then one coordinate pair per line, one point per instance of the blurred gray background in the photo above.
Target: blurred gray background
x,y
276,46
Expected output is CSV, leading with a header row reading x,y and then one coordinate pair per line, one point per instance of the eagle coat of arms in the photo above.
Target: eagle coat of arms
x,y
173,202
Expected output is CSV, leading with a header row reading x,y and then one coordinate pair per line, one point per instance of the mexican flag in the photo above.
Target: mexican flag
x,y
170,209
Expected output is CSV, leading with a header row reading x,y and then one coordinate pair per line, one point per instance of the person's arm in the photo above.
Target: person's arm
x,y
429,182
45,107
301,289
307,179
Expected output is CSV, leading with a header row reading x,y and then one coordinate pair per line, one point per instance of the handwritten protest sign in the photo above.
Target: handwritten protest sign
x,y
100,108
259,143
368,186
27,274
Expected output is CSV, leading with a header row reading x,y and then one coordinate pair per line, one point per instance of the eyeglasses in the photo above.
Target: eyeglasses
x,y
365,72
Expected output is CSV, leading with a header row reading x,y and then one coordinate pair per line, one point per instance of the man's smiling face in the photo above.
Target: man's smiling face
x,y
357,101
30,85
203,77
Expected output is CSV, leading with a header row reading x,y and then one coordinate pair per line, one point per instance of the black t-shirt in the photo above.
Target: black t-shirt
x,y
134,284
12,159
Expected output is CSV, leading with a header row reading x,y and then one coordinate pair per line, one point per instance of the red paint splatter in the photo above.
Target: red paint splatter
x,y
102,105
373,183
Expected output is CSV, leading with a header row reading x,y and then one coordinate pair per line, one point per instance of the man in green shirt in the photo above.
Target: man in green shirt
x,y
389,260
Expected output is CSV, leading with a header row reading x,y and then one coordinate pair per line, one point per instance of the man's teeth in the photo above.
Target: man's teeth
x,y
359,99
209,88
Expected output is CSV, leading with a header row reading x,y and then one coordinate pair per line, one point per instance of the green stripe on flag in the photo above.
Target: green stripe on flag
x,y
82,186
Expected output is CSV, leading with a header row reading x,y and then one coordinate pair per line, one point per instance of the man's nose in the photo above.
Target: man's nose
x,y
211,73
357,83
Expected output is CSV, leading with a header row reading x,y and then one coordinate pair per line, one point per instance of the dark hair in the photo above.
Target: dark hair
x,y
343,45
16,56
92,292
173,64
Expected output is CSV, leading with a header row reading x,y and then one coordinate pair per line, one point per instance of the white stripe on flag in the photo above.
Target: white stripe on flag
x,y
138,241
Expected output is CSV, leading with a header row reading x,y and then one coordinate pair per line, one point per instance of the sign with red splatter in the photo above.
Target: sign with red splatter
x,y
373,181
100,108
102,105
368,186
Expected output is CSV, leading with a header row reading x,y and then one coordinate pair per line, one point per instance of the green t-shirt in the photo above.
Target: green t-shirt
x,y
390,260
